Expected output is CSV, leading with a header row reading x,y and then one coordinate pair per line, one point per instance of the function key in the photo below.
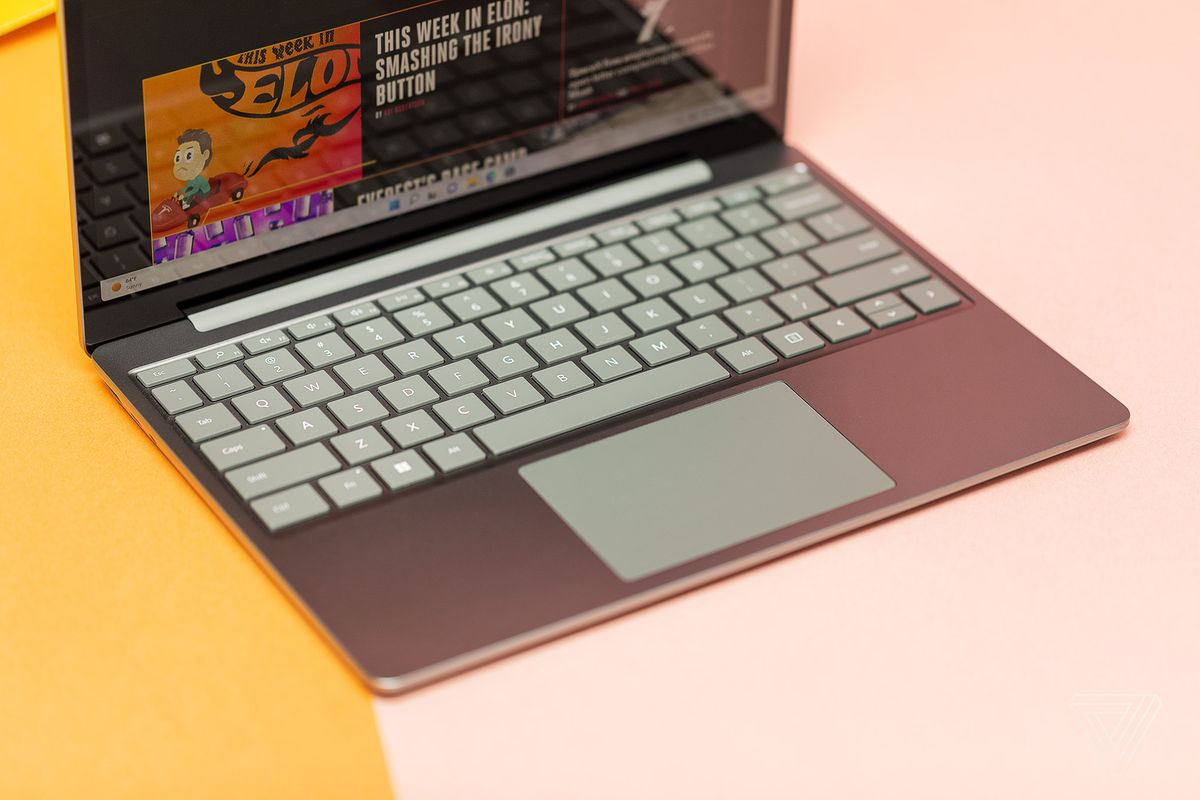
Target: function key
x,y
700,208
264,341
356,313
219,355
661,220
310,327
575,246
803,202
165,372
537,258
111,232
403,299
489,272
837,223
619,233
792,179
444,286
736,197
115,167
103,201
102,140
120,260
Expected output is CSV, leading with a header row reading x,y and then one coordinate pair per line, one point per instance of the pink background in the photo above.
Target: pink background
x,y
1050,151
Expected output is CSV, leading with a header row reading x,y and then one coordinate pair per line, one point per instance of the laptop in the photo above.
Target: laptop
x,y
480,322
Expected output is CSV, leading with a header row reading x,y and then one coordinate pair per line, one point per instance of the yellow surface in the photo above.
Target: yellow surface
x,y
15,13
142,652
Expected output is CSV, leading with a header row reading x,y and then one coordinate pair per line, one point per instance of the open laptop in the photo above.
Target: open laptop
x,y
481,322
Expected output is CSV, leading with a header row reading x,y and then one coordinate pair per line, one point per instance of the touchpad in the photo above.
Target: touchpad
x,y
698,482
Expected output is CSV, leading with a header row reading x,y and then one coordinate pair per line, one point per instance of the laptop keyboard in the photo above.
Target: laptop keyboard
x,y
426,381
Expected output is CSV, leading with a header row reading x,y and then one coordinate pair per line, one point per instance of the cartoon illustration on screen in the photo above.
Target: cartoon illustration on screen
x,y
191,202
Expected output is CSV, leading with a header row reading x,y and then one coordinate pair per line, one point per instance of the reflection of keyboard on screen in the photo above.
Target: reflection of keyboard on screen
x,y
424,381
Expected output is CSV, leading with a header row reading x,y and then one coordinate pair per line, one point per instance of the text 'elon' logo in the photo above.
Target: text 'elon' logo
x,y
281,88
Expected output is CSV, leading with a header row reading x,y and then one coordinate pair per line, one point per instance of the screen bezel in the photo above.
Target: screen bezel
x,y
170,303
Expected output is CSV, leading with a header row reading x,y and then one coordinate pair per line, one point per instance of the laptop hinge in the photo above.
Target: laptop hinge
x,y
525,223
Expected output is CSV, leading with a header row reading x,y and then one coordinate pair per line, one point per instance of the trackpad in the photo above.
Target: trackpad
x,y
695,483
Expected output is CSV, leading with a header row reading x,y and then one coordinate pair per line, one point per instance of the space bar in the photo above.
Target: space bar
x,y
575,411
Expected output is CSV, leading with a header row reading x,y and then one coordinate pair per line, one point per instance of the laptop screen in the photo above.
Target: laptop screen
x,y
210,133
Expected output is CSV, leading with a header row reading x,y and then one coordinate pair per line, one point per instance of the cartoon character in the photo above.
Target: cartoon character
x,y
198,193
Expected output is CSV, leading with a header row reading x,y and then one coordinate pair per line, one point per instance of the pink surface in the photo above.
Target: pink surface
x,y
1049,151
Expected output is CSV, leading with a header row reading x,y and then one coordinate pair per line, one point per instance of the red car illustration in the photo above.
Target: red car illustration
x,y
224,188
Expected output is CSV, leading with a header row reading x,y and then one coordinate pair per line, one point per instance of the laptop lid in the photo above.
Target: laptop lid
x,y
222,147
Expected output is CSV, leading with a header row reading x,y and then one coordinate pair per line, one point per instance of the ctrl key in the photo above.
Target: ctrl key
x,y
289,507
402,469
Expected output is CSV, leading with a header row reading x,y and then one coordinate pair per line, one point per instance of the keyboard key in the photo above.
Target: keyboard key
x,y
840,324
242,447
753,317
361,445
613,260
402,470
350,487
892,316
706,332
659,246
660,220
463,412
412,429
289,507
471,305
699,266
513,396
374,335
932,296
811,200
799,303
749,218
261,405
793,340
306,426
868,307
170,371
423,319
264,341
453,452
407,393
606,295
537,258
595,405
863,282
102,201
611,363
281,471
562,309
744,194
651,315
113,167
102,140
224,382
324,350
743,285
653,280
566,275
704,232
518,289
176,397
790,271
460,376
511,326
315,387
745,252
556,345
357,313
746,355
116,262
700,208
855,251
444,286
413,357
604,330
402,299
575,247
698,300
792,179
489,272
205,423
788,238
110,232
618,233
465,340
274,366
363,372
507,361
659,348
310,327
562,379
357,409
835,224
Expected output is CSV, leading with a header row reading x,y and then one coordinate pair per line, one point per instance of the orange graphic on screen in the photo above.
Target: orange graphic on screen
x,y
253,130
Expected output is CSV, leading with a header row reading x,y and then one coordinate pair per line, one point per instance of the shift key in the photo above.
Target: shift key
x,y
282,471
884,276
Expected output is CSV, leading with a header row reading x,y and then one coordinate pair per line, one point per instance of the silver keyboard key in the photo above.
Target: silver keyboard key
x,y
789,238
753,317
618,233
264,341
306,426
363,372
166,372
745,252
556,345
863,282
562,379
613,260
471,305
744,194
749,218
704,232
659,348
853,252
324,350
315,387
281,471
575,246
932,296
840,324
274,366
662,219
374,335
311,327
565,275
289,507
507,361
412,429
892,316
423,319
350,487
790,271
413,357
513,396
444,286
465,340
871,305
510,326
402,470
262,405
794,340
653,280
361,445
700,208
799,303
453,452
651,315
659,246
219,355
744,285
699,266
402,299
518,289
357,409
604,330
489,272
746,355
356,313
611,363
698,300
242,447
791,179
224,382
706,332
409,392
537,258
459,376
463,412
205,423
562,309
606,295
811,200
176,397
837,223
